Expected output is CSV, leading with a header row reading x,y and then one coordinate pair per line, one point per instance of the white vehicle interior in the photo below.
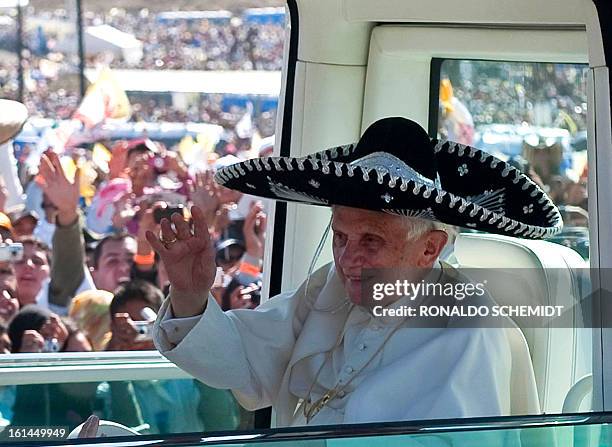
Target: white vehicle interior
x,y
552,274
374,60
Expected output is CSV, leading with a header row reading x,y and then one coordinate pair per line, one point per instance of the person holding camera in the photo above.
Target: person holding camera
x,y
133,309
35,329
168,406
9,304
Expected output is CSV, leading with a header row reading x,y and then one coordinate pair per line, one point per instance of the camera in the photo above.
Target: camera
x,y
144,328
51,345
160,213
11,252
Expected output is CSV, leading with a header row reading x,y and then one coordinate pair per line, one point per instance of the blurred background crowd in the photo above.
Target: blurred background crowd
x,y
91,172
87,268
133,39
86,279
531,115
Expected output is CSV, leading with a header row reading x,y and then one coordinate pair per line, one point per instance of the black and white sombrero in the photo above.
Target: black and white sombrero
x,y
397,169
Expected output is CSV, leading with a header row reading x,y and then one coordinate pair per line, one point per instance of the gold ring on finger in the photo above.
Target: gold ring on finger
x,y
167,243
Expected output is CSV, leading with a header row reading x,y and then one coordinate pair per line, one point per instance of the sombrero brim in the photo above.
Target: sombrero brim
x,y
474,189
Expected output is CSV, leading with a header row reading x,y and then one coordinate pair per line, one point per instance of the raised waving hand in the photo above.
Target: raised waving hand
x,y
189,259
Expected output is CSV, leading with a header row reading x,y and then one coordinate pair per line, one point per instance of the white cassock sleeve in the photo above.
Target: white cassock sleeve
x,y
246,351
8,172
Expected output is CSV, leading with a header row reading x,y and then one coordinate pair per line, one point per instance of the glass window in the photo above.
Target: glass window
x,y
171,95
532,115
146,406
526,432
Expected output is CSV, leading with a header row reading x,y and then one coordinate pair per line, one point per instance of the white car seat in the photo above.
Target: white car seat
x,y
554,275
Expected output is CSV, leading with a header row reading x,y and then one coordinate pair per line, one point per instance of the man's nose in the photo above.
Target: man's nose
x,y
352,255
125,267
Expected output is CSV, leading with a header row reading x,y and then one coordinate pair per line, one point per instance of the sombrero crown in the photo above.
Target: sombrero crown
x,y
397,169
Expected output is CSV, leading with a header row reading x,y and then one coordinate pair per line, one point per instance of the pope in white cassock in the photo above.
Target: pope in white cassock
x,y
318,354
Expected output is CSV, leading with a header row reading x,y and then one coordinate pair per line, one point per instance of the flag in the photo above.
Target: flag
x,y
188,149
209,138
69,167
104,99
457,120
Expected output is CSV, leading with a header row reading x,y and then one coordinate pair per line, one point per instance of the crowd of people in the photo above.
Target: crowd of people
x,y
228,44
88,280
93,265
527,95
550,95
209,109
51,84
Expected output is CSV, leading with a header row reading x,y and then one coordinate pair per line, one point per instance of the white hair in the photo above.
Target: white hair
x,y
416,227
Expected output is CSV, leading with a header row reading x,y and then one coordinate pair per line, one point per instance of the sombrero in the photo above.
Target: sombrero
x,y
13,116
398,169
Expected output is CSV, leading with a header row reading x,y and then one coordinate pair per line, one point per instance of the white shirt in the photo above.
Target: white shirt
x,y
271,355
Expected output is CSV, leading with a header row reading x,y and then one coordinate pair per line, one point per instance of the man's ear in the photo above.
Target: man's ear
x,y
432,247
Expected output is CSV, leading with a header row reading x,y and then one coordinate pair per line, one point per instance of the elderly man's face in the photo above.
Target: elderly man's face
x,y
371,239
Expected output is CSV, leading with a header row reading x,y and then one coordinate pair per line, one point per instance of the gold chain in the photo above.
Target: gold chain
x,y
311,410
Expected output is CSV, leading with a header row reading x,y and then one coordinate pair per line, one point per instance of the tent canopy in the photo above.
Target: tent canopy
x,y
110,37
13,3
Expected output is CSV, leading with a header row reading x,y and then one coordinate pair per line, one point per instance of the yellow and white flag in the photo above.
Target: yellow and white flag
x,y
104,99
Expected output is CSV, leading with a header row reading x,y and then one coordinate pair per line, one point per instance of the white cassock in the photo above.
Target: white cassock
x,y
272,356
